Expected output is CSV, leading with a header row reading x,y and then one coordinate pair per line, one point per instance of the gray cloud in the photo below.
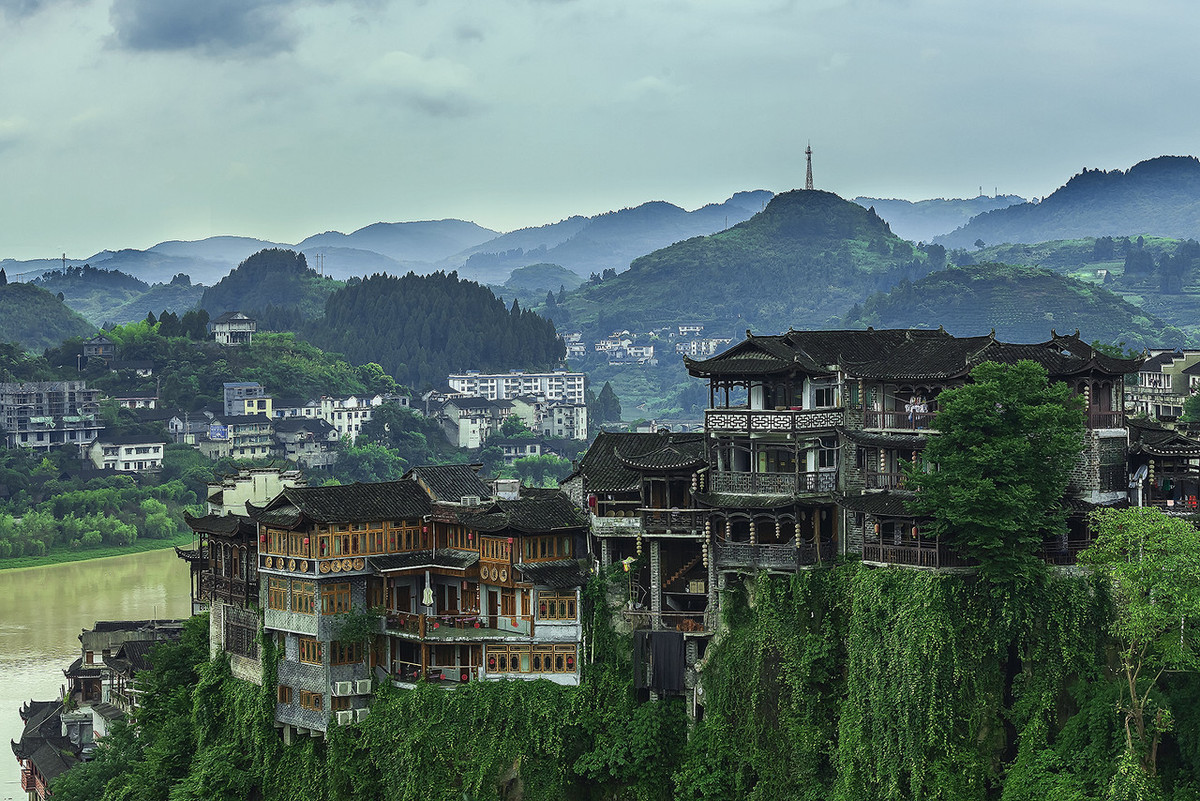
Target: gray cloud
x,y
246,27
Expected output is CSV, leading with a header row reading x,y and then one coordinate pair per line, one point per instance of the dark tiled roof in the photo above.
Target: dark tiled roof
x,y
904,442
1193,369
349,503
293,425
663,452
108,712
1155,363
55,757
1155,439
158,415
879,504
449,483
444,557
221,525
229,316
132,657
557,575
739,500
536,511
901,354
137,625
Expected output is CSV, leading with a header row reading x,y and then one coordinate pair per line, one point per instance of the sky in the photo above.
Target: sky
x,y
124,123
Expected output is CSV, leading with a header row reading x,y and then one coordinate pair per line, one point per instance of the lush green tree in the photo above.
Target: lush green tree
x,y
1151,564
1001,459
514,426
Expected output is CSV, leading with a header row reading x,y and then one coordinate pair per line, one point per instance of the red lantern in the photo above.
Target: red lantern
x,y
464,677
510,538
306,540
424,529
262,538
491,663
592,501
570,663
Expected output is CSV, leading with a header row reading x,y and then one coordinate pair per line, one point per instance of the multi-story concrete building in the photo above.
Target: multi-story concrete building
x,y
554,386
237,393
128,453
1165,381
233,328
47,414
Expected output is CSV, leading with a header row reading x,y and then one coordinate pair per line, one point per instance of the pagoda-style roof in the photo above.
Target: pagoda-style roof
x,y
1155,439
557,575
348,503
880,504
536,511
901,354
450,483
229,525
743,500
616,460
133,657
442,558
900,442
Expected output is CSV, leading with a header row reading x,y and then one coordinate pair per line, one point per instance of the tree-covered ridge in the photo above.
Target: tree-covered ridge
x,y
803,260
36,319
922,220
1160,196
421,328
1022,304
271,278
105,295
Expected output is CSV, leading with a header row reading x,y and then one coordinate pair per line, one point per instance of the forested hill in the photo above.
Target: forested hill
x,y
803,260
420,328
1159,197
273,278
36,319
922,220
110,296
1022,304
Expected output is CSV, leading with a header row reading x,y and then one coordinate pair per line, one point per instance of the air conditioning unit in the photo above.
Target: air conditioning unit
x,y
345,717
362,687
469,500
361,714
343,688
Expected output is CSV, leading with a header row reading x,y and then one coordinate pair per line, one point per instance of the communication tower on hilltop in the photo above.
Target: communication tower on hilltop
x,y
808,157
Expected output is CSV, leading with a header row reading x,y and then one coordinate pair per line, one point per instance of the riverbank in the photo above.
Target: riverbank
x,y
67,554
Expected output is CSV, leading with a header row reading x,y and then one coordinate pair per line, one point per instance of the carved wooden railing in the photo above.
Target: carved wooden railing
x,y
673,519
747,556
759,421
937,556
1064,553
1106,419
773,483
898,420
696,622
883,480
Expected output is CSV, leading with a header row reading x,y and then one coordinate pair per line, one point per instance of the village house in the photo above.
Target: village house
x,y
99,347
1165,381
309,443
127,453
558,385
236,393
248,436
233,328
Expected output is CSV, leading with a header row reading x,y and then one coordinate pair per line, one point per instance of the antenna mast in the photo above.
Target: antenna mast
x,y
808,184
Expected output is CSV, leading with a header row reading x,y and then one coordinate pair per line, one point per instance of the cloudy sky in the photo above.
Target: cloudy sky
x,y
127,122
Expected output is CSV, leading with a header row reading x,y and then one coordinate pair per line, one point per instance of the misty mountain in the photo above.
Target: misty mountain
x,y
101,295
276,278
1022,304
425,241
225,249
1159,197
607,241
922,220
807,257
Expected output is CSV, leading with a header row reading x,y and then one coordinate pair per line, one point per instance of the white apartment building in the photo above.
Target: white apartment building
x,y
555,386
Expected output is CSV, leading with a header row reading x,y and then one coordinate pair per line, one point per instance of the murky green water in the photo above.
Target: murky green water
x,y
42,611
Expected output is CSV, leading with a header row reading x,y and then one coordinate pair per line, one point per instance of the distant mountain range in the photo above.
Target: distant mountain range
x,y
1159,197
922,220
1022,304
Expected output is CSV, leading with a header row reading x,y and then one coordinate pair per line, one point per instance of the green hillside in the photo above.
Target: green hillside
x,y
273,278
1159,197
36,319
1022,304
804,260
102,295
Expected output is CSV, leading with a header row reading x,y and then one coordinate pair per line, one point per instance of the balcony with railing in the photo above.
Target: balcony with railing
x,y
680,521
457,626
1063,552
625,523
228,590
932,554
687,622
761,421
884,481
1098,419
898,420
745,556
822,481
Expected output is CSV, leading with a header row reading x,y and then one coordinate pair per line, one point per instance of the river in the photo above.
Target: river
x,y
42,612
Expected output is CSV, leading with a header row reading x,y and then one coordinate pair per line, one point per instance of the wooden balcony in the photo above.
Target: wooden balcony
x,y
626,526
679,521
933,555
687,622
888,481
233,591
1063,553
455,626
1097,420
762,421
899,420
744,556
823,481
